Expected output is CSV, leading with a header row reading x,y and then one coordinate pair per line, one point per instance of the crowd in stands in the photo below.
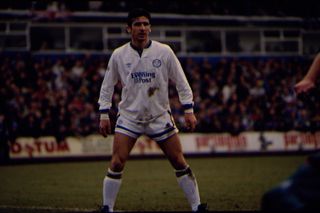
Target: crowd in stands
x,y
58,95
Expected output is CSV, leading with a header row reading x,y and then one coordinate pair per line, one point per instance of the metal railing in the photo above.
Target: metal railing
x,y
216,36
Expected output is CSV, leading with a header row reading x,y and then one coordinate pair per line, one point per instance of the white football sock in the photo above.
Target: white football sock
x,y
188,183
111,186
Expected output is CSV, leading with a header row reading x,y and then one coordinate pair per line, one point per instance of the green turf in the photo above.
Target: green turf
x,y
225,183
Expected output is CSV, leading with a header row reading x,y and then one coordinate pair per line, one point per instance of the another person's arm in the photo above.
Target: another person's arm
x,y
309,80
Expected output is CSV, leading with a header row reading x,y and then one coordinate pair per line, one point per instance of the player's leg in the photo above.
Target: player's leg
x,y
122,147
163,130
186,179
171,147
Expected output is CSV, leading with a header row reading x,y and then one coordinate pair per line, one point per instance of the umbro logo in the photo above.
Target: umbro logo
x,y
128,65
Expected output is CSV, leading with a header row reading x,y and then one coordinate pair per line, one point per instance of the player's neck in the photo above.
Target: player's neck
x,y
140,45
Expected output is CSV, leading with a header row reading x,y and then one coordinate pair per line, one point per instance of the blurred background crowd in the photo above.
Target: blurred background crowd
x,y
58,95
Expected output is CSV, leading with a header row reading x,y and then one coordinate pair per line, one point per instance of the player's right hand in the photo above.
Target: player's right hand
x,y
105,127
191,121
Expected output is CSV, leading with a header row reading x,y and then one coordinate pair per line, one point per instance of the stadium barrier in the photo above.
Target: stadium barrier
x,y
199,144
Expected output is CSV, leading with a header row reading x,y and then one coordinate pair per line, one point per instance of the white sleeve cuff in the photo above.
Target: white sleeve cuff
x,y
104,116
190,110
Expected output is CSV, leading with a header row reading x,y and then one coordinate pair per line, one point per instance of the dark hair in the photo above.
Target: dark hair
x,y
135,13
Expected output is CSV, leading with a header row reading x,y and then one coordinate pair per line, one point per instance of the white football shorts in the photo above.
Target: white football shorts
x,y
159,129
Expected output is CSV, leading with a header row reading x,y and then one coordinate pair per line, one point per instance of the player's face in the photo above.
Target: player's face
x,y
140,29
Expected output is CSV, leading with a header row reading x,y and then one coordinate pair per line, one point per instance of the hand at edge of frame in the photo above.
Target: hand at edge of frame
x,y
304,86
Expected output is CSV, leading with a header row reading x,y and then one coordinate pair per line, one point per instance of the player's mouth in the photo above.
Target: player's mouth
x,y
142,35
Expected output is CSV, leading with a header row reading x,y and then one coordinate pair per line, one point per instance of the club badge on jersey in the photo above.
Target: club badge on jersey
x,y
156,63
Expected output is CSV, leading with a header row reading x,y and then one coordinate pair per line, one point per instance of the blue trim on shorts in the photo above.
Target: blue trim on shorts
x,y
162,140
121,127
162,133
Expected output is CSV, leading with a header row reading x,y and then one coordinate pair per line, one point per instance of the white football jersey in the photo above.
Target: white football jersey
x,y
145,81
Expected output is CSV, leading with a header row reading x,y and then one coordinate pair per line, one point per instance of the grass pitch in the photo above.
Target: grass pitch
x,y
225,183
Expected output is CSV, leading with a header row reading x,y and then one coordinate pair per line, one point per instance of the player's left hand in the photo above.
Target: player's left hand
x,y
191,121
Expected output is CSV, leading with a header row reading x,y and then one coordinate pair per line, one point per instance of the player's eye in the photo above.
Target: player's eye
x,y
138,24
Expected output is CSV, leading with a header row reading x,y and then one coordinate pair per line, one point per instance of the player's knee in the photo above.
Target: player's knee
x,y
178,162
117,164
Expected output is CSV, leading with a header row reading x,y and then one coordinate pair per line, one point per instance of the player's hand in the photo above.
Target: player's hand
x,y
105,127
190,120
304,86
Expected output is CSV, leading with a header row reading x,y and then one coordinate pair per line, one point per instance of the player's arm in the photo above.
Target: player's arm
x,y
105,98
308,81
184,90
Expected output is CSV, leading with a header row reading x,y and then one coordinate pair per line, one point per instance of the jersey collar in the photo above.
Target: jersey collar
x,y
141,50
